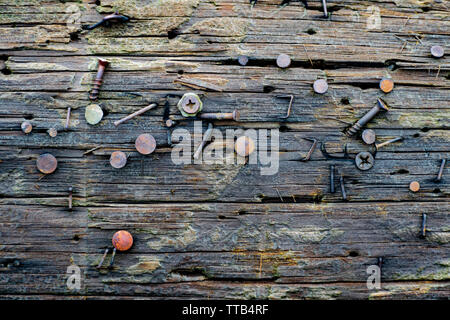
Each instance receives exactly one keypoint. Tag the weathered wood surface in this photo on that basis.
(224, 231)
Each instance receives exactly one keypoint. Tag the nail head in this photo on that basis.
(320, 86)
(46, 163)
(52, 132)
(414, 186)
(283, 61)
(26, 127)
(93, 114)
(244, 146)
(122, 240)
(386, 85)
(368, 136)
(437, 51)
(118, 159)
(243, 60)
(145, 144)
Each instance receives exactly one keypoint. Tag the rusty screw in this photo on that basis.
(235, 115)
(437, 51)
(118, 159)
(283, 61)
(70, 197)
(386, 85)
(368, 136)
(46, 163)
(190, 104)
(26, 127)
(145, 144)
(102, 64)
(320, 86)
(414, 186)
(381, 105)
(364, 161)
(141, 111)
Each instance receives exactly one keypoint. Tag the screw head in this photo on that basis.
(190, 104)
(414, 186)
(244, 146)
(368, 136)
(122, 240)
(320, 86)
(364, 161)
(118, 159)
(46, 163)
(93, 114)
(437, 51)
(386, 85)
(52, 132)
(145, 144)
(243, 60)
(283, 61)
(26, 127)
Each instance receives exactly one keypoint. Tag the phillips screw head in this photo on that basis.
(364, 161)
(190, 104)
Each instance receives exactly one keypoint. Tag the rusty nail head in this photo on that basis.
(145, 144)
(122, 240)
(26, 127)
(243, 60)
(437, 51)
(386, 85)
(46, 163)
(169, 123)
(190, 104)
(368, 136)
(320, 86)
(414, 186)
(283, 61)
(244, 146)
(52, 132)
(118, 159)
(364, 160)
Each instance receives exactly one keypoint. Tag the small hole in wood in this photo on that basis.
(353, 253)
(180, 72)
(268, 89)
(76, 238)
(283, 128)
(437, 190)
(416, 135)
(400, 171)
(74, 36)
(425, 129)
(221, 217)
(28, 117)
(98, 3)
(345, 101)
(172, 34)
(311, 31)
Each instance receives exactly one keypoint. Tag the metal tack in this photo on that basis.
(320, 86)
(141, 111)
(46, 163)
(26, 127)
(118, 159)
(145, 144)
(283, 61)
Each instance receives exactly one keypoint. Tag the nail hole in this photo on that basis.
(317, 198)
(345, 101)
(180, 72)
(222, 217)
(311, 31)
(76, 238)
(283, 128)
(98, 3)
(391, 65)
(105, 112)
(260, 196)
(242, 212)
(172, 34)
(447, 76)
(426, 9)
(353, 253)
(425, 129)
(437, 190)
(6, 71)
(416, 135)
(400, 171)
(74, 36)
(28, 117)
(268, 89)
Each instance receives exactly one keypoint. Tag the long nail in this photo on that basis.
(291, 97)
(235, 115)
(141, 111)
(423, 232)
(66, 127)
(70, 197)
(103, 259)
(344, 194)
(311, 150)
(379, 145)
(332, 190)
(441, 170)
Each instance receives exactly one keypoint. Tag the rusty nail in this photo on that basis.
(368, 136)
(386, 85)
(441, 170)
(311, 150)
(118, 159)
(103, 258)
(70, 197)
(66, 127)
(381, 105)
(206, 138)
(379, 145)
(122, 240)
(414, 186)
(102, 64)
(116, 17)
(423, 232)
(26, 127)
(141, 111)
(235, 115)
(332, 190)
(190, 104)
(341, 181)
(283, 61)
(244, 146)
(52, 132)
(91, 150)
(291, 101)
(320, 86)
(243, 60)
(145, 144)
(437, 51)
(46, 163)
